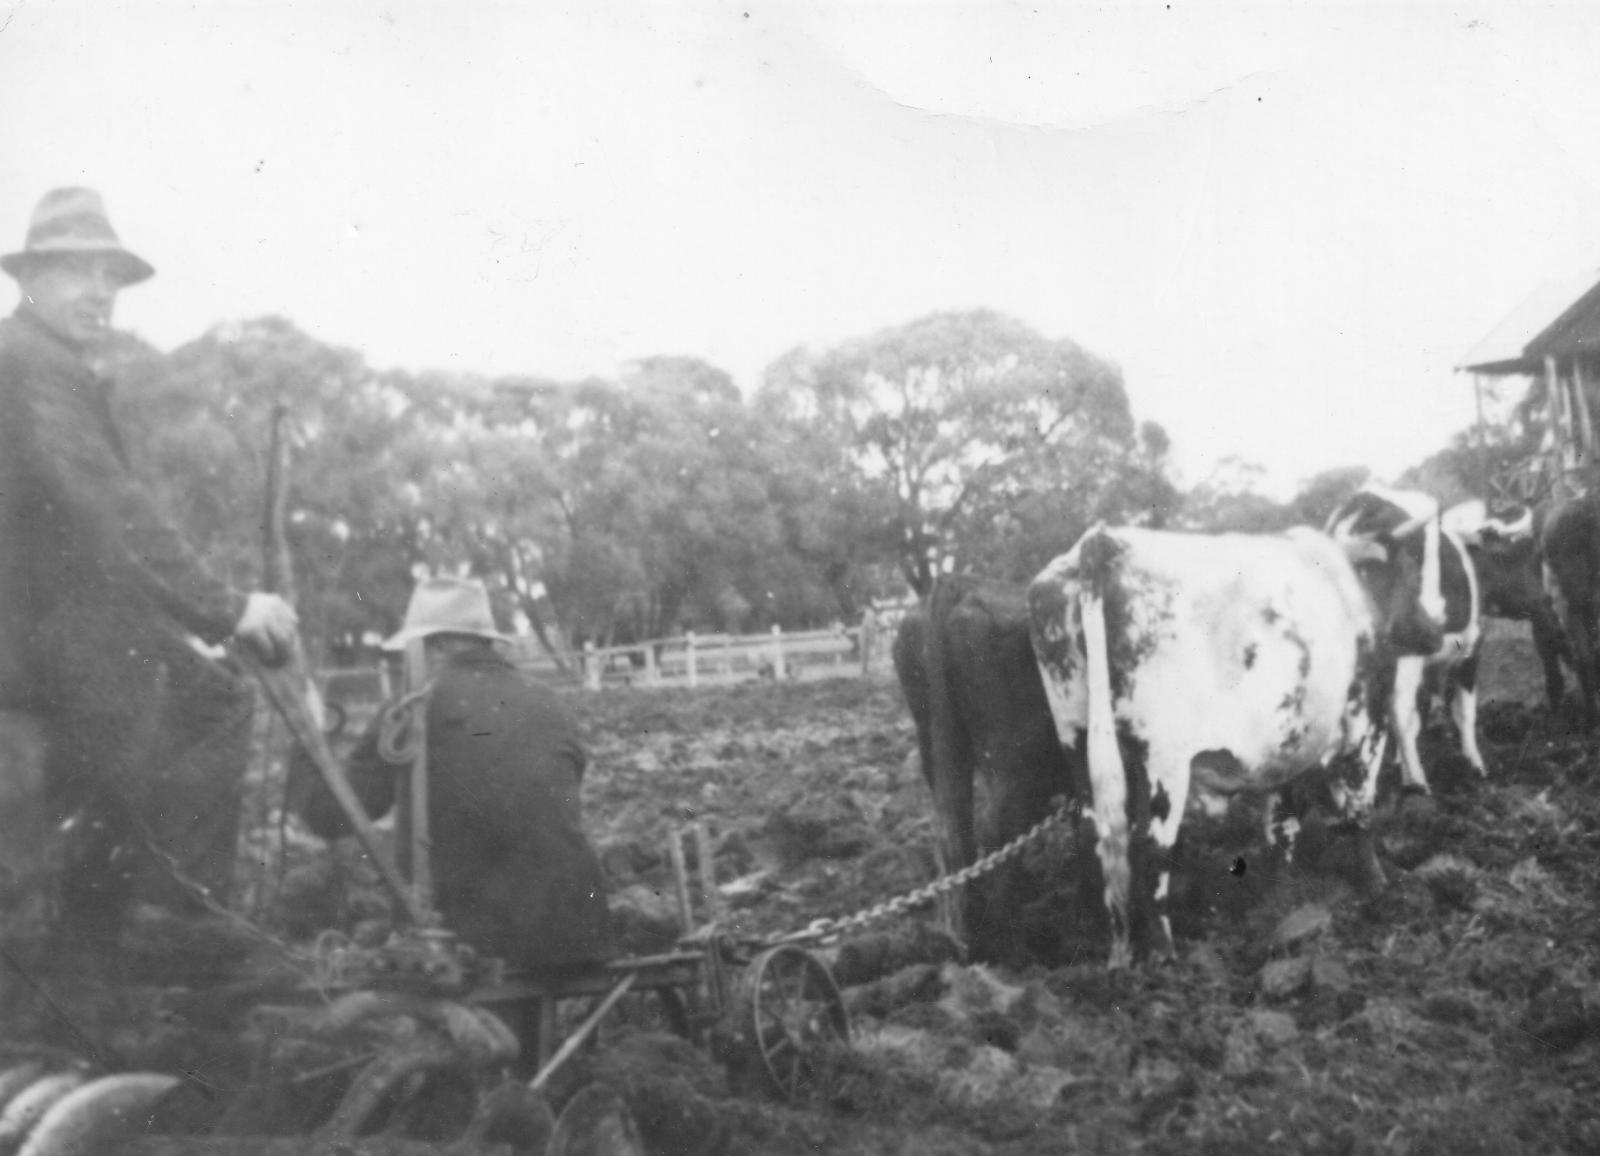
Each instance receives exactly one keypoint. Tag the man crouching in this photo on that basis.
(514, 875)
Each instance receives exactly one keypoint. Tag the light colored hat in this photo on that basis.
(446, 606)
(74, 221)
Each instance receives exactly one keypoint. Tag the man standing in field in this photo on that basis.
(102, 601)
(515, 876)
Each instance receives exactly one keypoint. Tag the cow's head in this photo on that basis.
(1391, 538)
(1504, 543)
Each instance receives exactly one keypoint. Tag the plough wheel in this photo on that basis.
(793, 1005)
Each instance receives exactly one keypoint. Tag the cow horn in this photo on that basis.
(1364, 550)
(96, 1115)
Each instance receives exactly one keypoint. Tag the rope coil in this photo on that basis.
(398, 734)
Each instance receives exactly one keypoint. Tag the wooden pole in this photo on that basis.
(1483, 436)
(420, 841)
(591, 667)
(707, 872)
(680, 874)
(778, 669)
(1580, 398)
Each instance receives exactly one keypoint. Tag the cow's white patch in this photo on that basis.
(1244, 644)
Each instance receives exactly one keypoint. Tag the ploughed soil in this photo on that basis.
(1457, 1012)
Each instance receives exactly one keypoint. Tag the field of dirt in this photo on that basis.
(1458, 1012)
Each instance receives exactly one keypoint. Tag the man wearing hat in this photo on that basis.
(101, 599)
(514, 875)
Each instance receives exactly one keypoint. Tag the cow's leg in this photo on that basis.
(1550, 647)
(1462, 688)
(1110, 812)
(1170, 775)
(1356, 796)
(1406, 714)
(1577, 617)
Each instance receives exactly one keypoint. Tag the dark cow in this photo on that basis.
(1241, 661)
(1505, 552)
(984, 733)
(1570, 546)
(1378, 510)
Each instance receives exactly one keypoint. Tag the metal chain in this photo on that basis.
(829, 927)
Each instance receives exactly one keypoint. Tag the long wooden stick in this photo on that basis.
(418, 827)
(585, 1029)
(286, 692)
(289, 687)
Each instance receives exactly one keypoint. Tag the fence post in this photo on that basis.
(778, 671)
(727, 656)
(689, 659)
(868, 634)
(591, 667)
(652, 676)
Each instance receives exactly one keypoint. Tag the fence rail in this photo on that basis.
(706, 659)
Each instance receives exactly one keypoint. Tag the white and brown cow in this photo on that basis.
(1236, 661)
(1376, 510)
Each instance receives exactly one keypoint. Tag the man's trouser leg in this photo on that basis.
(150, 738)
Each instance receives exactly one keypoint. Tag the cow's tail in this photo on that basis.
(1108, 778)
(950, 775)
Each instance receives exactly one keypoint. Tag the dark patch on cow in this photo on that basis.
(1455, 584)
(1270, 616)
(1146, 859)
(1160, 804)
(1374, 677)
(1250, 652)
(1366, 656)
(1218, 771)
(1295, 701)
(1100, 566)
(1047, 601)
(1304, 665)
(1099, 561)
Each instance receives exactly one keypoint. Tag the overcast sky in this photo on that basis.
(1286, 223)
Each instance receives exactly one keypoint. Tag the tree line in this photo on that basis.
(619, 509)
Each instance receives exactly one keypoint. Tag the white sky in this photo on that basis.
(1286, 223)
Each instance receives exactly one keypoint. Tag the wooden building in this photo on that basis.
(1553, 340)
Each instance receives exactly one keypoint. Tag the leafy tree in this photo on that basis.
(200, 422)
(1230, 501)
(938, 424)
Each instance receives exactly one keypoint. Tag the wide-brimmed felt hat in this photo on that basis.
(446, 606)
(73, 221)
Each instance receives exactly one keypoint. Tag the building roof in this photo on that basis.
(1559, 318)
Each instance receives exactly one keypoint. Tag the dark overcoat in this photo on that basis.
(100, 598)
(77, 525)
(514, 875)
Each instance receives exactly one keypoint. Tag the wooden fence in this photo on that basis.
(714, 659)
